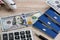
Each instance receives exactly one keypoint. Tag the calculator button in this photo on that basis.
(22, 33)
(5, 37)
(17, 37)
(27, 32)
(16, 33)
(22, 36)
(11, 36)
(29, 39)
(28, 36)
(23, 39)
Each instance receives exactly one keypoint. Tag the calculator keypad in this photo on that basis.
(22, 35)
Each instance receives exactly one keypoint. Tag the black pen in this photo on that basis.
(41, 37)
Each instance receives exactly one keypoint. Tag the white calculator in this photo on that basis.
(17, 35)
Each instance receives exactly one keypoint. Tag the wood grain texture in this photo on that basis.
(25, 6)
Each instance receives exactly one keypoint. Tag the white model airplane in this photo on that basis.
(9, 3)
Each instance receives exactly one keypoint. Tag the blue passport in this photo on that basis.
(46, 30)
(44, 19)
(53, 15)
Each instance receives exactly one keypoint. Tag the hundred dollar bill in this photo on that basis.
(55, 4)
(12, 22)
(16, 21)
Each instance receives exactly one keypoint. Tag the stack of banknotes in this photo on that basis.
(17, 21)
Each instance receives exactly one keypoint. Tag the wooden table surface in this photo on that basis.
(26, 6)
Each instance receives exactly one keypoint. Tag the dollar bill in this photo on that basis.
(12, 22)
(18, 21)
(55, 4)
